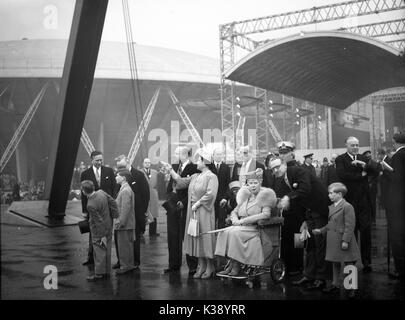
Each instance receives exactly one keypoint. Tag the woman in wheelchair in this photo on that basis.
(241, 242)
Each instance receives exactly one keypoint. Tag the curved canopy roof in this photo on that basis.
(330, 68)
(45, 58)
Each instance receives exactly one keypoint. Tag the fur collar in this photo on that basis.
(265, 198)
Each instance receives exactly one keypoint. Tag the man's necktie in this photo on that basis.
(217, 167)
(98, 176)
(179, 171)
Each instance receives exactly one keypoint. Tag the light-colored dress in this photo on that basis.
(202, 188)
(242, 243)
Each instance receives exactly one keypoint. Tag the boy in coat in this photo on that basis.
(124, 225)
(341, 244)
(102, 208)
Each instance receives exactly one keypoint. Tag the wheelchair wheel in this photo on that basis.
(277, 271)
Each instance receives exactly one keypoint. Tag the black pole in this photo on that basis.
(76, 85)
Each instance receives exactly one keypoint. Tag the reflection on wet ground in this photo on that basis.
(26, 250)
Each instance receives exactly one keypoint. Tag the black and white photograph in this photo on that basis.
(202, 155)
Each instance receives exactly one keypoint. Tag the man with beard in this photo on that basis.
(303, 198)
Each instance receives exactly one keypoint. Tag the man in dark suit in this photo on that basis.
(293, 217)
(222, 171)
(305, 199)
(103, 178)
(248, 164)
(396, 215)
(308, 163)
(176, 214)
(140, 187)
(353, 171)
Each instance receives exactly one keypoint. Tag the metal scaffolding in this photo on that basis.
(238, 35)
(186, 119)
(22, 128)
(136, 143)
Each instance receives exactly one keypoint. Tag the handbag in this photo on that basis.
(192, 229)
(84, 226)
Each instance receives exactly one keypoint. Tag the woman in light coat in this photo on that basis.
(202, 191)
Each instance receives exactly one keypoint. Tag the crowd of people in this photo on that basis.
(213, 211)
(12, 190)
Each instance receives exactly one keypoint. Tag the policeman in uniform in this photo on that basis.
(294, 215)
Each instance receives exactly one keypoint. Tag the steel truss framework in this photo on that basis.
(238, 35)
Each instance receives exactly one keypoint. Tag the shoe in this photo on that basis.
(317, 285)
(88, 263)
(367, 269)
(116, 266)
(331, 289)
(96, 277)
(171, 270)
(124, 271)
(302, 281)
(208, 275)
(197, 274)
(227, 270)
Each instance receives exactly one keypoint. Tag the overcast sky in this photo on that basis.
(187, 25)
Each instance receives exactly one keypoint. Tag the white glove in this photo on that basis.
(222, 203)
(284, 203)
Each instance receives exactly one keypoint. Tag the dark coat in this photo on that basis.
(182, 195)
(253, 166)
(107, 182)
(307, 190)
(310, 168)
(223, 176)
(329, 175)
(358, 193)
(268, 179)
(140, 187)
(385, 181)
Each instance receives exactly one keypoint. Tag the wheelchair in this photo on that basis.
(270, 235)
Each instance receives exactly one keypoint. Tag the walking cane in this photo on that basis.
(280, 235)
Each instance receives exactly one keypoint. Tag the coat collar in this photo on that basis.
(334, 210)
(124, 186)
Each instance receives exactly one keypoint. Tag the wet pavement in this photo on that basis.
(27, 248)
